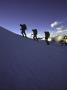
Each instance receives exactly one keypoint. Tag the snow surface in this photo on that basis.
(26, 64)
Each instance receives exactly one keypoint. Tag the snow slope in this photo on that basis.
(29, 65)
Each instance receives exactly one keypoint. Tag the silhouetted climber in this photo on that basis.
(23, 29)
(47, 35)
(35, 34)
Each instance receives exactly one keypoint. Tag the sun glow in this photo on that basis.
(58, 38)
(66, 40)
(49, 39)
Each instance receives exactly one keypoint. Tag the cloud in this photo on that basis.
(54, 24)
(60, 29)
(57, 25)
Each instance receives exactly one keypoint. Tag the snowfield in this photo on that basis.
(26, 64)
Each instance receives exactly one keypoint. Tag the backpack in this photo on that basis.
(35, 31)
(47, 34)
(23, 26)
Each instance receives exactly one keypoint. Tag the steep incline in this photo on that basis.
(29, 65)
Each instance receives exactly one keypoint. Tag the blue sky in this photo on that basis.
(38, 14)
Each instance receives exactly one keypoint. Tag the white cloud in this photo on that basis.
(60, 29)
(55, 24)
(58, 26)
